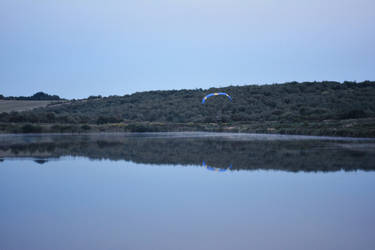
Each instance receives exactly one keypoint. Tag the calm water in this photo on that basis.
(186, 191)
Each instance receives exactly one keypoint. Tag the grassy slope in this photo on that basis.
(21, 105)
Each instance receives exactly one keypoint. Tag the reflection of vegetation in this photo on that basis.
(291, 155)
(216, 169)
(40, 161)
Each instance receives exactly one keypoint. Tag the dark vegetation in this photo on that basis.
(289, 155)
(319, 108)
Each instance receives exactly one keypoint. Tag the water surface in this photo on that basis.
(186, 191)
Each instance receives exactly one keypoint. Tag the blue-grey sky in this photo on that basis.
(77, 48)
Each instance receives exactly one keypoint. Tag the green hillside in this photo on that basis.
(285, 105)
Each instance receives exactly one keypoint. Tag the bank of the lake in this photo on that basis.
(349, 127)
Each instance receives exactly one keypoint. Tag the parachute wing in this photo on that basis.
(214, 94)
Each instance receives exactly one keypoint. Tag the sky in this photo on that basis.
(77, 48)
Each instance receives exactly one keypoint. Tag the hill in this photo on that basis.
(268, 108)
(39, 96)
(23, 103)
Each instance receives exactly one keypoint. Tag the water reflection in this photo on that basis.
(40, 161)
(218, 153)
(215, 169)
(78, 200)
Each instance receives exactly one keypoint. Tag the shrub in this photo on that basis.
(85, 127)
(29, 128)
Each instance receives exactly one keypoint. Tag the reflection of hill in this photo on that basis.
(293, 155)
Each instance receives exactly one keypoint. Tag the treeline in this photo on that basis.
(39, 96)
(284, 103)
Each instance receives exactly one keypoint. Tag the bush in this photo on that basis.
(29, 128)
(137, 128)
(85, 127)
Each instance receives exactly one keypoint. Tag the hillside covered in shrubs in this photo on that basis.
(304, 103)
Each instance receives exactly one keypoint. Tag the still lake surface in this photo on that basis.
(186, 191)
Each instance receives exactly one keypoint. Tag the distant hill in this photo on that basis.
(39, 96)
(289, 102)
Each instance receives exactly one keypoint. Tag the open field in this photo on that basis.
(21, 105)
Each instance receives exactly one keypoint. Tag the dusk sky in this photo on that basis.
(79, 48)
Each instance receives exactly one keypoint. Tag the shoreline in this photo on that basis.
(363, 128)
(200, 134)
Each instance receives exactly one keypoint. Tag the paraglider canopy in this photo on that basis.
(214, 94)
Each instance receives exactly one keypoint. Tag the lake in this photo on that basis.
(186, 191)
